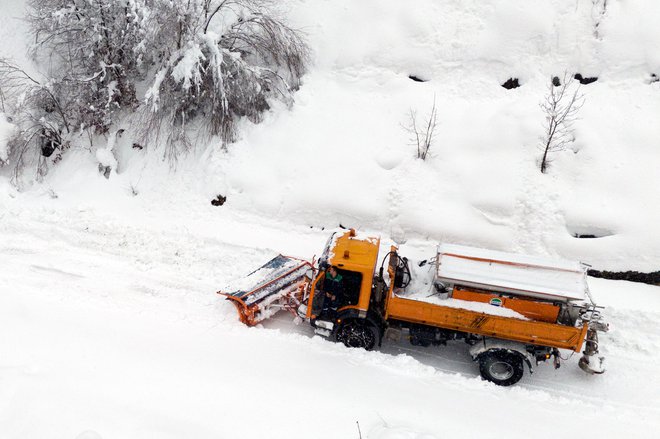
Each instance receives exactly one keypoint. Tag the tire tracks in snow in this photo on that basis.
(138, 269)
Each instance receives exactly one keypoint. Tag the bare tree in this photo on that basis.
(560, 106)
(422, 136)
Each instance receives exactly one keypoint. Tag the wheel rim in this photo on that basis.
(356, 336)
(501, 370)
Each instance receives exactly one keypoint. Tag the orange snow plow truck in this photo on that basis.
(510, 309)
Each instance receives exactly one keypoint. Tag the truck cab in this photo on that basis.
(356, 322)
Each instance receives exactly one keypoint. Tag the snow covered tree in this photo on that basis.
(38, 117)
(94, 51)
(560, 106)
(203, 63)
(90, 52)
(231, 59)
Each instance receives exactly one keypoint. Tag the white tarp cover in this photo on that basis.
(541, 277)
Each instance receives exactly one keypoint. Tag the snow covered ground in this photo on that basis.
(111, 328)
(110, 325)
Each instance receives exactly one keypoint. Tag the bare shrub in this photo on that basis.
(422, 136)
(560, 106)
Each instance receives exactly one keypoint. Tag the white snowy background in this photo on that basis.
(109, 324)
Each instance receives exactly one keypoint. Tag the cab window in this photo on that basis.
(352, 282)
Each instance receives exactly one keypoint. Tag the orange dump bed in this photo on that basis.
(481, 323)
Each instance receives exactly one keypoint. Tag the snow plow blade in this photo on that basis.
(278, 284)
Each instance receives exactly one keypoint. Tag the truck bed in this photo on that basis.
(482, 323)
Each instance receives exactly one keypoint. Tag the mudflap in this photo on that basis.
(278, 284)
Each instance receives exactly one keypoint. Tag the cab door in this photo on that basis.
(316, 296)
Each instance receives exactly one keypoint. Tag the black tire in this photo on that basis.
(501, 367)
(357, 334)
(419, 342)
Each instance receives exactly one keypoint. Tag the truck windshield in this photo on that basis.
(323, 260)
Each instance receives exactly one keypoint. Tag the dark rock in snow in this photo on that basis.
(511, 83)
(219, 200)
(588, 232)
(592, 235)
(417, 78)
(584, 80)
(49, 141)
(47, 149)
(652, 278)
(105, 170)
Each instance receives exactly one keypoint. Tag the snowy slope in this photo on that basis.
(340, 154)
(341, 149)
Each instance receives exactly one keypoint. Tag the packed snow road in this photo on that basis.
(112, 329)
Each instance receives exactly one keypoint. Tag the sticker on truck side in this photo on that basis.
(496, 301)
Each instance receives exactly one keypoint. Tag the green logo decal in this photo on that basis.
(496, 301)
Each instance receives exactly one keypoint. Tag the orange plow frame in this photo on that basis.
(287, 297)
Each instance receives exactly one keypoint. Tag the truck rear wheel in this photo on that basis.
(501, 367)
(357, 334)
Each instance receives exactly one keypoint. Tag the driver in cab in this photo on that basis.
(332, 286)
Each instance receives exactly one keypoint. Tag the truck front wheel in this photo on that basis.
(501, 367)
(357, 334)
